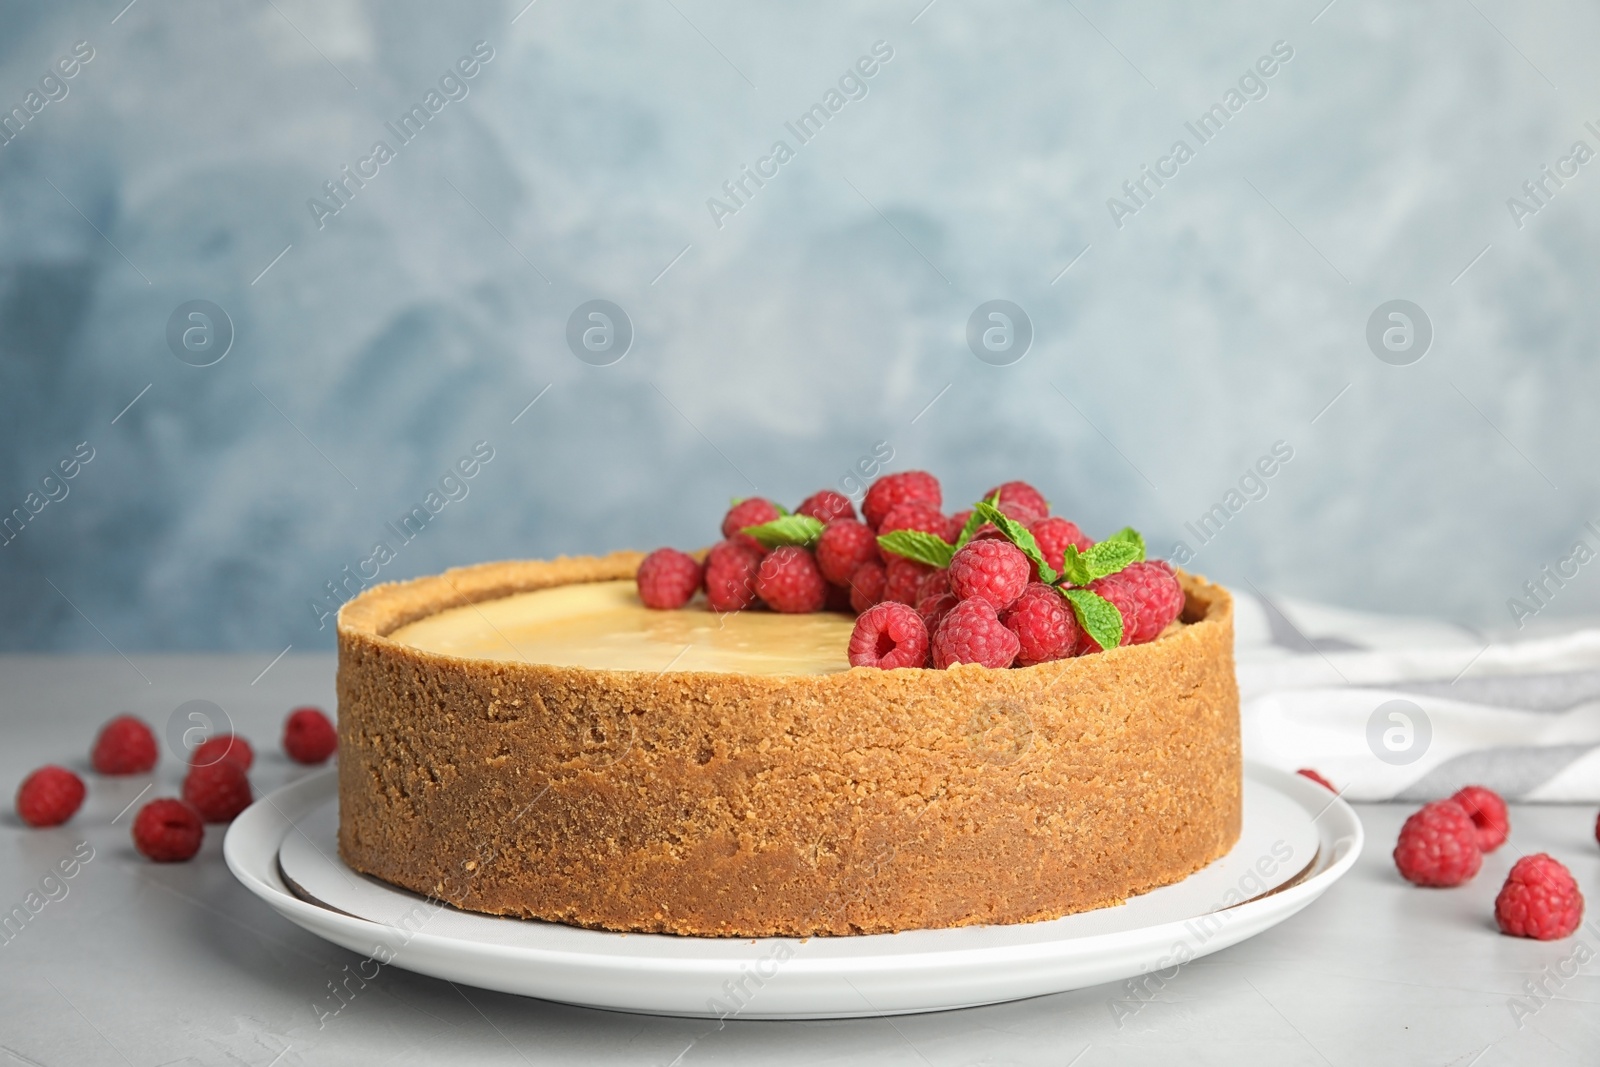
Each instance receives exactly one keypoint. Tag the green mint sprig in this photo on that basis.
(923, 547)
(787, 530)
(974, 521)
(1132, 536)
(1099, 617)
(1018, 535)
(1107, 557)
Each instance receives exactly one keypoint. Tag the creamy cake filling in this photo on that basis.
(603, 625)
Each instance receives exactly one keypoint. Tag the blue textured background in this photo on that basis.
(821, 318)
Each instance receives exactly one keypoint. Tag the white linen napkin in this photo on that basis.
(1394, 708)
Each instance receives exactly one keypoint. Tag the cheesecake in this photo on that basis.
(528, 739)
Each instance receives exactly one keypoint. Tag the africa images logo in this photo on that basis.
(453, 85)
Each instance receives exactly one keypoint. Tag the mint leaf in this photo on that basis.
(1129, 534)
(784, 511)
(1073, 567)
(1110, 556)
(1099, 617)
(788, 530)
(922, 547)
(974, 521)
(1018, 535)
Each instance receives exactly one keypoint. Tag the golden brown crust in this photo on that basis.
(700, 803)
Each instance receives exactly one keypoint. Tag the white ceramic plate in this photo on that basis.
(1298, 839)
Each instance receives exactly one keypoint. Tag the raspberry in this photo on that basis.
(308, 736)
(1488, 814)
(894, 489)
(223, 747)
(889, 635)
(845, 544)
(731, 576)
(867, 585)
(904, 575)
(995, 571)
(838, 599)
(973, 633)
(1438, 846)
(751, 511)
(668, 579)
(958, 522)
(1020, 501)
(1539, 900)
(934, 608)
(125, 745)
(1158, 594)
(934, 583)
(1053, 535)
(167, 830)
(788, 581)
(49, 796)
(915, 516)
(218, 791)
(825, 506)
(1044, 624)
(1315, 777)
(1123, 598)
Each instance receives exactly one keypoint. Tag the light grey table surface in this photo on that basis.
(149, 964)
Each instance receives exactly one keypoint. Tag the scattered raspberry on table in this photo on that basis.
(167, 831)
(1487, 812)
(889, 635)
(125, 745)
(1307, 772)
(223, 747)
(1438, 846)
(218, 791)
(309, 736)
(1539, 900)
(49, 796)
